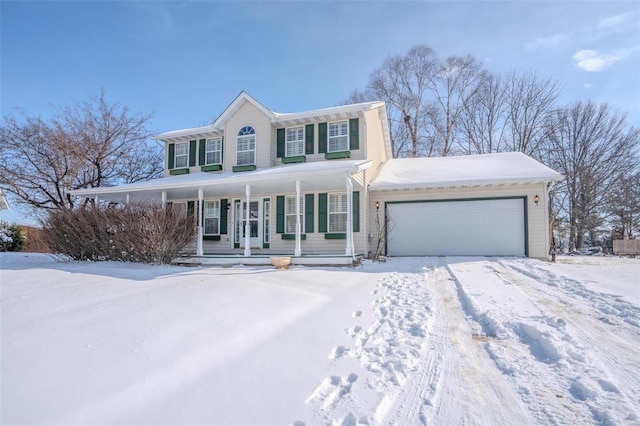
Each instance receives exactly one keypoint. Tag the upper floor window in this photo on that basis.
(213, 151)
(338, 212)
(295, 141)
(339, 136)
(290, 214)
(246, 146)
(181, 158)
(212, 217)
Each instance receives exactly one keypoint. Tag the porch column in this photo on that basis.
(349, 249)
(127, 199)
(247, 226)
(199, 249)
(298, 250)
(164, 198)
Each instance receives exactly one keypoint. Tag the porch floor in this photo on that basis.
(265, 259)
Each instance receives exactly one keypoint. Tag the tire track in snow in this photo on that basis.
(616, 359)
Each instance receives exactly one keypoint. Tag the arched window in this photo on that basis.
(246, 146)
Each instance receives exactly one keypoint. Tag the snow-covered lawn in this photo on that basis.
(410, 341)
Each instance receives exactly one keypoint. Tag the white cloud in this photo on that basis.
(592, 61)
(605, 27)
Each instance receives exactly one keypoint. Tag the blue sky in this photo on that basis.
(186, 61)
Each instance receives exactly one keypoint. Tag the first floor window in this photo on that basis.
(180, 207)
(339, 136)
(212, 217)
(290, 214)
(181, 155)
(295, 141)
(338, 212)
(214, 151)
(246, 146)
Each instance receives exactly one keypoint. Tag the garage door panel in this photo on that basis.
(463, 228)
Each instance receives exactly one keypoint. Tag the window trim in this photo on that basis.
(346, 135)
(286, 215)
(185, 155)
(301, 142)
(207, 151)
(205, 217)
(246, 133)
(336, 213)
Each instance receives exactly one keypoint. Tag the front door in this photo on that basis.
(255, 222)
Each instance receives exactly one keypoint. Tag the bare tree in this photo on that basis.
(592, 146)
(483, 119)
(623, 205)
(402, 82)
(530, 102)
(92, 144)
(454, 86)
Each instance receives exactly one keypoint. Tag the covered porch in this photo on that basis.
(242, 206)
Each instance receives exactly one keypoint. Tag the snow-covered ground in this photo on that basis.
(410, 341)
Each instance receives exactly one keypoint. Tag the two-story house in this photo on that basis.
(321, 185)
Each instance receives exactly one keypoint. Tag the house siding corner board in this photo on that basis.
(373, 132)
(536, 215)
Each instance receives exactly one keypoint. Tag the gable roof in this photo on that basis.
(466, 170)
(341, 112)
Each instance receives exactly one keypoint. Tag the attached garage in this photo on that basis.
(485, 227)
(471, 205)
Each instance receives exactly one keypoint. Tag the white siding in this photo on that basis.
(537, 223)
(248, 115)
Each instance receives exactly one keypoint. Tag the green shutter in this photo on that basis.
(356, 211)
(203, 152)
(354, 134)
(192, 153)
(280, 143)
(309, 135)
(308, 213)
(223, 215)
(322, 212)
(222, 150)
(280, 214)
(172, 155)
(322, 138)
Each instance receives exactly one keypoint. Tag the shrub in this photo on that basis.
(138, 232)
(11, 237)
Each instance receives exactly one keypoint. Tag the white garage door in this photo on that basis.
(494, 227)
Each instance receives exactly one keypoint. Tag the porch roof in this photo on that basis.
(314, 176)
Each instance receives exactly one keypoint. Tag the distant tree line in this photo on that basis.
(454, 106)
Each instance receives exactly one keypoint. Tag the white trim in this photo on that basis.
(205, 217)
(247, 224)
(206, 150)
(298, 141)
(185, 155)
(199, 249)
(248, 138)
(298, 250)
(346, 148)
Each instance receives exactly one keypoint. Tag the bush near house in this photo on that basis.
(11, 237)
(137, 232)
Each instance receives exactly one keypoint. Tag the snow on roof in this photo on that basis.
(482, 169)
(313, 173)
(279, 118)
